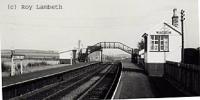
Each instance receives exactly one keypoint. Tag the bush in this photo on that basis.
(43, 63)
(18, 66)
(37, 64)
(5, 67)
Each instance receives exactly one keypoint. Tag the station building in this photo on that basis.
(65, 58)
(162, 43)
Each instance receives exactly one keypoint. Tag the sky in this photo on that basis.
(90, 21)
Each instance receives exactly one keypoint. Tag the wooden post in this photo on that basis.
(12, 64)
(71, 61)
(73, 56)
(182, 30)
(101, 55)
(21, 67)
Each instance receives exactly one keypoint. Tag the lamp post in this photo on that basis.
(182, 31)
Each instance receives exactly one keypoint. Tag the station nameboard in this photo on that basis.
(163, 32)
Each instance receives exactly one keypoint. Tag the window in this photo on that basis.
(164, 43)
(154, 42)
(159, 43)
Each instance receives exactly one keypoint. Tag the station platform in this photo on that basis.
(6, 81)
(133, 83)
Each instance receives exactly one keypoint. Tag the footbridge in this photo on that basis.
(106, 45)
(115, 45)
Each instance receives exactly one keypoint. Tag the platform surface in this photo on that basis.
(33, 75)
(133, 83)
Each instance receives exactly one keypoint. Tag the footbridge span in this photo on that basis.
(106, 45)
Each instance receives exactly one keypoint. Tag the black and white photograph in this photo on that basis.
(99, 49)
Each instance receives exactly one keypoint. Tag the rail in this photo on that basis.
(113, 87)
(104, 88)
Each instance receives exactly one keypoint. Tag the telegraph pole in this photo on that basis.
(182, 31)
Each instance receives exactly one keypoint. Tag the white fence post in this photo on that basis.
(21, 67)
(12, 67)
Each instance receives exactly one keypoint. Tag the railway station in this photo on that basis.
(98, 79)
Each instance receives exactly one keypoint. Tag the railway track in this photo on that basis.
(95, 82)
(103, 88)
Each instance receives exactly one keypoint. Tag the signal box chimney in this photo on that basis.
(175, 18)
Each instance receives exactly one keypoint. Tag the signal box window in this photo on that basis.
(159, 43)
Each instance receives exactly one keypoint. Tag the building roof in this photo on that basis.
(159, 27)
(174, 28)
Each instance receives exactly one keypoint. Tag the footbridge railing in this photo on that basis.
(115, 45)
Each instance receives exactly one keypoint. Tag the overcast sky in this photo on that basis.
(90, 21)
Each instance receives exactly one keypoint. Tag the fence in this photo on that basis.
(187, 76)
